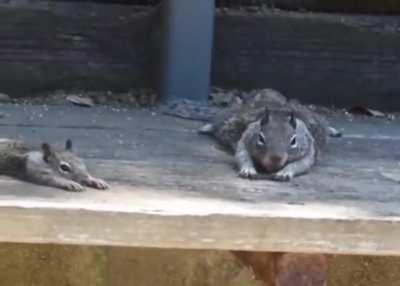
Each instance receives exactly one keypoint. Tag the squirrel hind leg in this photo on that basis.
(206, 129)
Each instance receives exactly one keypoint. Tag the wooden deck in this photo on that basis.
(173, 188)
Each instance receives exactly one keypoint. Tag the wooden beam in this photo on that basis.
(173, 188)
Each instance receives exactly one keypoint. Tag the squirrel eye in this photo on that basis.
(261, 139)
(293, 142)
(65, 167)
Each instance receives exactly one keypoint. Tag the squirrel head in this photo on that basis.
(65, 162)
(276, 141)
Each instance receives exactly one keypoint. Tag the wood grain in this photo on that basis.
(173, 188)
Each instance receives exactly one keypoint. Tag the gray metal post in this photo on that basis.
(186, 49)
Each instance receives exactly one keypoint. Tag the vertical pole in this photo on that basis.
(186, 49)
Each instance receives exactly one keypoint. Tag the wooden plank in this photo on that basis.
(172, 188)
(83, 45)
(71, 45)
(36, 222)
(347, 6)
(301, 54)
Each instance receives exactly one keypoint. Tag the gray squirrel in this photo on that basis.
(267, 132)
(49, 166)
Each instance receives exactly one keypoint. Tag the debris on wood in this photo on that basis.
(100, 99)
(333, 132)
(223, 98)
(391, 117)
(189, 109)
(81, 101)
(4, 97)
(362, 110)
(393, 175)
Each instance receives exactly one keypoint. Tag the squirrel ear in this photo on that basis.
(265, 118)
(68, 145)
(47, 151)
(292, 120)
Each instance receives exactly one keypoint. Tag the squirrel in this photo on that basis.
(269, 133)
(48, 166)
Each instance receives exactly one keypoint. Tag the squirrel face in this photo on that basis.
(65, 162)
(275, 143)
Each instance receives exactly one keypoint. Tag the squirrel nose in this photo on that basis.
(273, 163)
(275, 159)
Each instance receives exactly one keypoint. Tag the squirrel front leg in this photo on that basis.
(296, 168)
(96, 183)
(243, 160)
(53, 180)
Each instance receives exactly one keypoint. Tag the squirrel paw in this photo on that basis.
(282, 176)
(247, 172)
(96, 183)
(73, 187)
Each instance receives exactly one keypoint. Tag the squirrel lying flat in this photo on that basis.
(269, 133)
(49, 166)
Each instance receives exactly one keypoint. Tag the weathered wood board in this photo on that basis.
(46, 45)
(316, 57)
(172, 188)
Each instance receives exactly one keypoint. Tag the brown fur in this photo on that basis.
(54, 167)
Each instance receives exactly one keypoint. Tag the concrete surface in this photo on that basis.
(176, 189)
